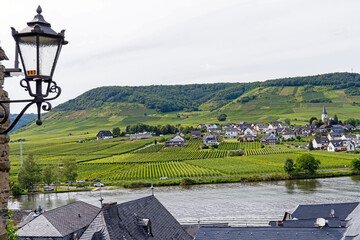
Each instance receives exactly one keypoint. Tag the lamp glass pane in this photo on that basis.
(47, 54)
(27, 47)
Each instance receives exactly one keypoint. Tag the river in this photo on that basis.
(239, 204)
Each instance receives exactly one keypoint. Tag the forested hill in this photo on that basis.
(170, 98)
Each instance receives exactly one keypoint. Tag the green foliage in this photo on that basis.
(15, 189)
(289, 166)
(307, 163)
(352, 121)
(222, 117)
(30, 173)
(48, 175)
(288, 121)
(186, 181)
(161, 98)
(11, 228)
(69, 169)
(355, 165)
(116, 132)
(311, 146)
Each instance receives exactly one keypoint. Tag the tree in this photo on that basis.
(355, 165)
(307, 163)
(336, 120)
(311, 146)
(30, 173)
(222, 117)
(312, 119)
(48, 175)
(287, 120)
(116, 132)
(69, 169)
(289, 166)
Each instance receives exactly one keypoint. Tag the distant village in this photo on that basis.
(338, 137)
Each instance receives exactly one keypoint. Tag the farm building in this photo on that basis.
(102, 135)
(138, 136)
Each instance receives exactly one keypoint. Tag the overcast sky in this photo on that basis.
(151, 42)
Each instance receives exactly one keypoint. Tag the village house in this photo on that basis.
(270, 139)
(138, 136)
(259, 127)
(176, 141)
(286, 134)
(348, 137)
(340, 146)
(334, 136)
(212, 125)
(195, 134)
(320, 143)
(274, 125)
(216, 131)
(144, 218)
(231, 133)
(210, 140)
(337, 221)
(63, 223)
(320, 132)
(102, 135)
(349, 127)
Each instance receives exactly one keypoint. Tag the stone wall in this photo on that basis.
(4, 164)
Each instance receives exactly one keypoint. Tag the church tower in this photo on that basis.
(324, 115)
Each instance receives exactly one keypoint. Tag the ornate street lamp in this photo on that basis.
(39, 48)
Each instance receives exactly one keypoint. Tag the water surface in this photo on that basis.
(236, 203)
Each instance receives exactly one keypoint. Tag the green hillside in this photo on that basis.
(68, 130)
(295, 98)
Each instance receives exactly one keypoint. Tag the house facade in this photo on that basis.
(320, 143)
(210, 140)
(176, 141)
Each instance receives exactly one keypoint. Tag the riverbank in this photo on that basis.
(204, 180)
(235, 179)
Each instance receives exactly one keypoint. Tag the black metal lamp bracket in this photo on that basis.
(40, 98)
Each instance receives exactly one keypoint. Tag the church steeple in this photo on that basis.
(324, 115)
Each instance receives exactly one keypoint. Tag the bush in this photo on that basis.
(236, 153)
(289, 166)
(355, 165)
(187, 181)
(307, 163)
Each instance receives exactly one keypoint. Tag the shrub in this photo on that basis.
(307, 163)
(355, 165)
(187, 181)
(289, 166)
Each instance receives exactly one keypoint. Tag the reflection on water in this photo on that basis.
(235, 203)
(307, 186)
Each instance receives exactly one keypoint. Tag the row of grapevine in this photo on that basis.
(161, 156)
(264, 151)
(239, 145)
(160, 169)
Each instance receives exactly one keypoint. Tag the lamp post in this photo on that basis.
(38, 46)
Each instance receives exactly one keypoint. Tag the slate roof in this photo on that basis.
(270, 136)
(269, 233)
(342, 210)
(104, 134)
(210, 138)
(60, 222)
(144, 218)
(321, 140)
(337, 143)
(177, 138)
